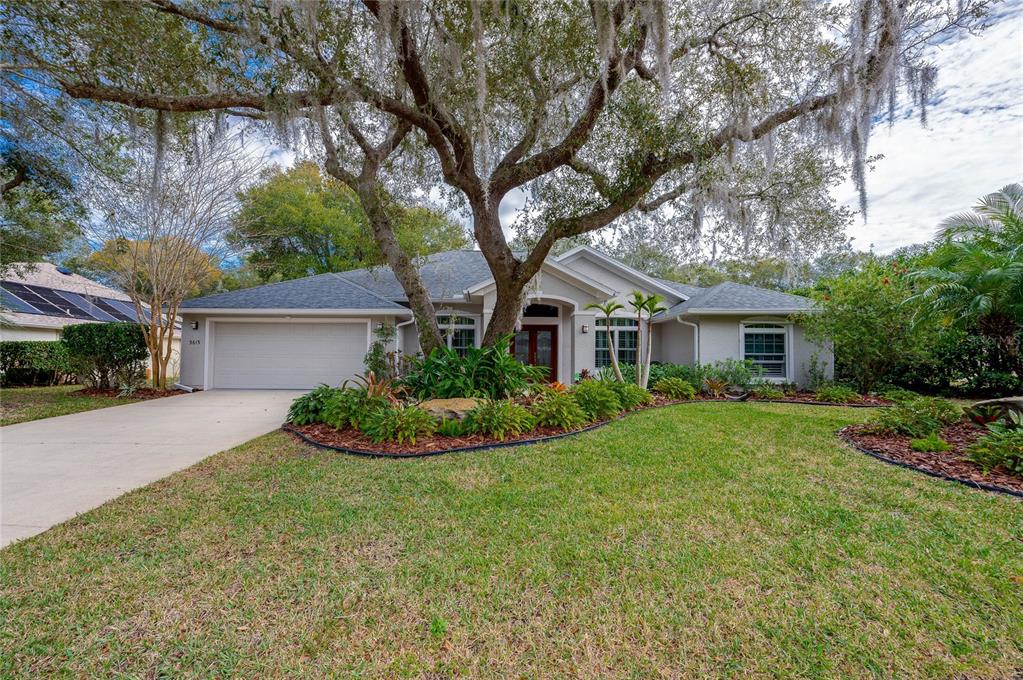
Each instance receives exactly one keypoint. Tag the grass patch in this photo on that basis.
(22, 404)
(703, 540)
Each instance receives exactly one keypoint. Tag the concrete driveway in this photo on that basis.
(56, 468)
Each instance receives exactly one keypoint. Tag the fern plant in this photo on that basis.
(675, 388)
(597, 400)
(630, 395)
(560, 410)
(309, 407)
(498, 418)
(399, 424)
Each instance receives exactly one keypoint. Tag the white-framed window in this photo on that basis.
(766, 345)
(626, 340)
(458, 331)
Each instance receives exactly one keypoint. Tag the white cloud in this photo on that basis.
(972, 145)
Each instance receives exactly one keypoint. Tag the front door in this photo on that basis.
(538, 346)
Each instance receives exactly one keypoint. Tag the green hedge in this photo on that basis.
(106, 354)
(33, 362)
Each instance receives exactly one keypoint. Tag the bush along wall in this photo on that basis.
(34, 362)
(106, 355)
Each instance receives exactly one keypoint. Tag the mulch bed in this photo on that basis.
(950, 464)
(350, 440)
(142, 394)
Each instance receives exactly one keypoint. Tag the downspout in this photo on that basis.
(696, 339)
(398, 339)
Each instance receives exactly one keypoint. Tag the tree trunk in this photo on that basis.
(613, 351)
(369, 190)
(649, 352)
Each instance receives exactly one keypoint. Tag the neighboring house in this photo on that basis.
(298, 333)
(38, 302)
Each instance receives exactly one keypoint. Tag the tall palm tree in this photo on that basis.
(650, 305)
(607, 309)
(974, 279)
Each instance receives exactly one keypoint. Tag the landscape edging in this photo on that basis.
(288, 427)
(931, 473)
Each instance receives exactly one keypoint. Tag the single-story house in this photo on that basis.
(38, 300)
(298, 333)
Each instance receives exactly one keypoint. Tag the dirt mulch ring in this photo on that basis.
(142, 394)
(951, 465)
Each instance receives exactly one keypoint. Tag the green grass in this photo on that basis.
(22, 404)
(705, 540)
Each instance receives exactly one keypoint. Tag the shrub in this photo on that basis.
(105, 355)
(898, 395)
(836, 394)
(733, 372)
(398, 424)
(597, 399)
(352, 407)
(558, 409)
(931, 442)
(674, 388)
(766, 390)
(996, 448)
(917, 418)
(630, 395)
(491, 372)
(33, 362)
(310, 406)
(451, 427)
(498, 418)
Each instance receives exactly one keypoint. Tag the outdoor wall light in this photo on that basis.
(195, 325)
(586, 328)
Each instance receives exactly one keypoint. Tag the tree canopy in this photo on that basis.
(297, 222)
(593, 110)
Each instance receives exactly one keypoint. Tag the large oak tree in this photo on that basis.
(592, 109)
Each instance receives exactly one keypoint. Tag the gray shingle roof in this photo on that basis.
(446, 275)
(684, 288)
(324, 291)
(740, 297)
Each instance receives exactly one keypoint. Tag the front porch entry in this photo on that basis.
(538, 346)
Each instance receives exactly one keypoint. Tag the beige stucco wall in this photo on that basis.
(620, 284)
(719, 339)
(673, 343)
(23, 333)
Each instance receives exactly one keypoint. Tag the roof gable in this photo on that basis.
(639, 278)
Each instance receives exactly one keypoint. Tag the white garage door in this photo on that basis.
(286, 355)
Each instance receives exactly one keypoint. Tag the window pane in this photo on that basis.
(462, 339)
(628, 341)
(766, 350)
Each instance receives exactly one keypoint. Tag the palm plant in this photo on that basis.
(974, 279)
(649, 305)
(607, 309)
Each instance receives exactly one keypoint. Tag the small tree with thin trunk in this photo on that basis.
(163, 227)
(607, 309)
(649, 305)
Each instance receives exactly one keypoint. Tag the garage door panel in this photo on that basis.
(286, 355)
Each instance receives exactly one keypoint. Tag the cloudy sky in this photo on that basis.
(971, 146)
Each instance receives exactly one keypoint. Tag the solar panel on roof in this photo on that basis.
(89, 306)
(107, 305)
(31, 295)
(12, 302)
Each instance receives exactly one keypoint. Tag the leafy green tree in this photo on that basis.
(863, 316)
(648, 305)
(298, 222)
(593, 111)
(40, 211)
(974, 278)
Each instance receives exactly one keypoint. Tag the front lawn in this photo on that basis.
(699, 540)
(21, 404)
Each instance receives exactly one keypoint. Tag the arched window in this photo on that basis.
(765, 345)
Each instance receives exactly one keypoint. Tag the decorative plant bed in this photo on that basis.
(355, 442)
(865, 401)
(142, 393)
(952, 464)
